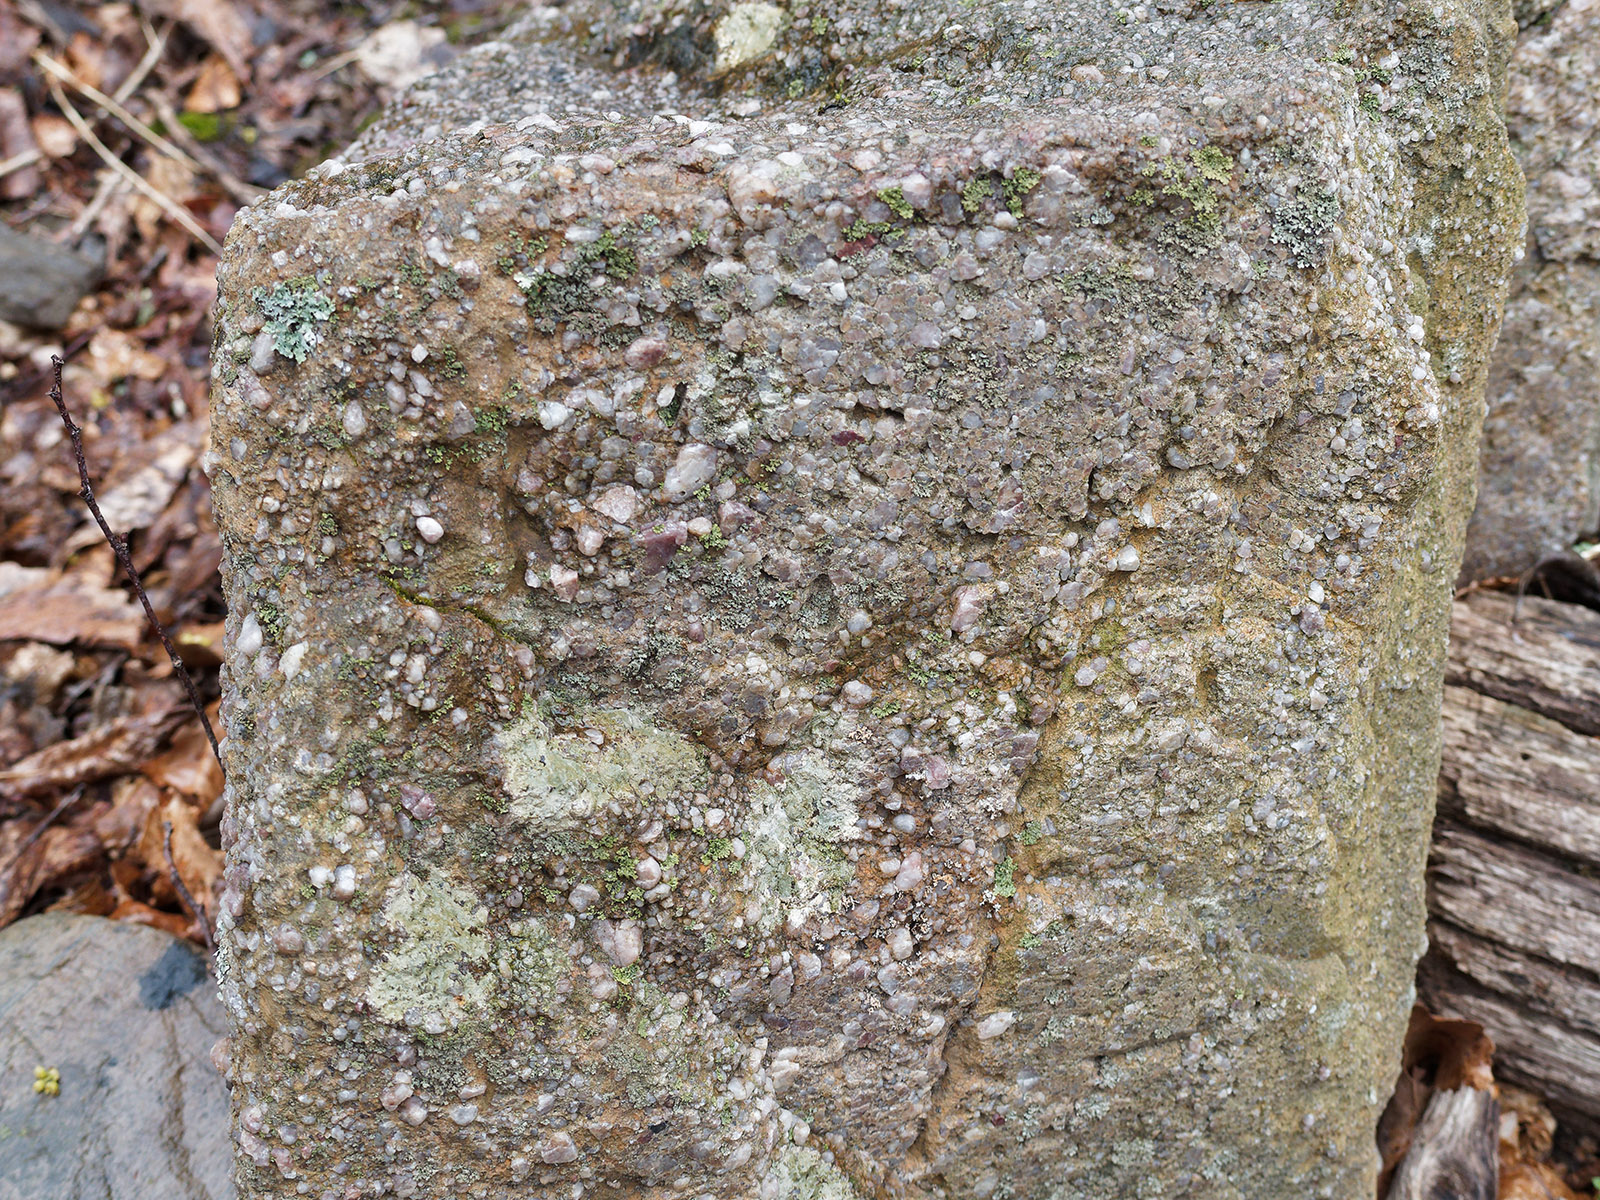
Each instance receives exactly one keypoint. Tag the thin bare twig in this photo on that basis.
(110, 184)
(201, 163)
(196, 913)
(115, 109)
(119, 547)
(336, 63)
(162, 201)
(244, 193)
(155, 46)
(17, 161)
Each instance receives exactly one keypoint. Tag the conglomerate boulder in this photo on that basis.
(847, 599)
(1539, 486)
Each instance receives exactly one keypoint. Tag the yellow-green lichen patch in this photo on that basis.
(529, 963)
(746, 33)
(651, 1053)
(802, 1174)
(437, 965)
(558, 780)
(794, 863)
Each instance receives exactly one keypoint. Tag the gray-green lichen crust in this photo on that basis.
(849, 600)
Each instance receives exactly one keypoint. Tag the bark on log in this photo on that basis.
(1514, 876)
(1453, 1154)
(1547, 661)
(1503, 891)
(1529, 777)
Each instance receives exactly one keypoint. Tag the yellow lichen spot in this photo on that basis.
(746, 33)
(47, 1081)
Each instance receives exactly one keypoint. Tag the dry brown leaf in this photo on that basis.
(90, 898)
(1527, 1133)
(1439, 1055)
(127, 874)
(116, 748)
(197, 864)
(15, 740)
(215, 88)
(85, 59)
(27, 868)
(17, 41)
(133, 799)
(16, 138)
(200, 645)
(1534, 1181)
(31, 677)
(41, 605)
(37, 669)
(114, 355)
(1459, 1053)
(217, 21)
(139, 913)
(174, 181)
(1526, 1123)
(136, 497)
(188, 767)
(55, 135)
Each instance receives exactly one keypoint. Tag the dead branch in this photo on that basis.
(119, 547)
(196, 913)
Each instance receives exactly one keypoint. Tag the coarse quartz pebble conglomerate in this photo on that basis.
(1539, 468)
(848, 600)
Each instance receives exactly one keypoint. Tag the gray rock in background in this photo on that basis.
(41, 281)
(127, 1015)
(849, 600)
(1539, 482)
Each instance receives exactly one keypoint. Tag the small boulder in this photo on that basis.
(115, 1023)
(41, 282)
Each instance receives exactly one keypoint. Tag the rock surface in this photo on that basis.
(848, 600)
(41, 281)
(1539, 484)
(126, 1017)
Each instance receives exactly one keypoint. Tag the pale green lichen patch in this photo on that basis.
(746, 33)
(800, 1173)
(558, 779)
(794, 862)
(1303, 224)
(652, 1052)
(294, 310)
(447, 966)
(438, 963)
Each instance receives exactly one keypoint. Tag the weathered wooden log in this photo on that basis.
(1514, 876)
(1504, 891)
(1453, 1153)
(1547, 661)
(1511, 770)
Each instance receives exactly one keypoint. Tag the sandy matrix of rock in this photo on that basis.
(847, 600)
(1539, 488)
